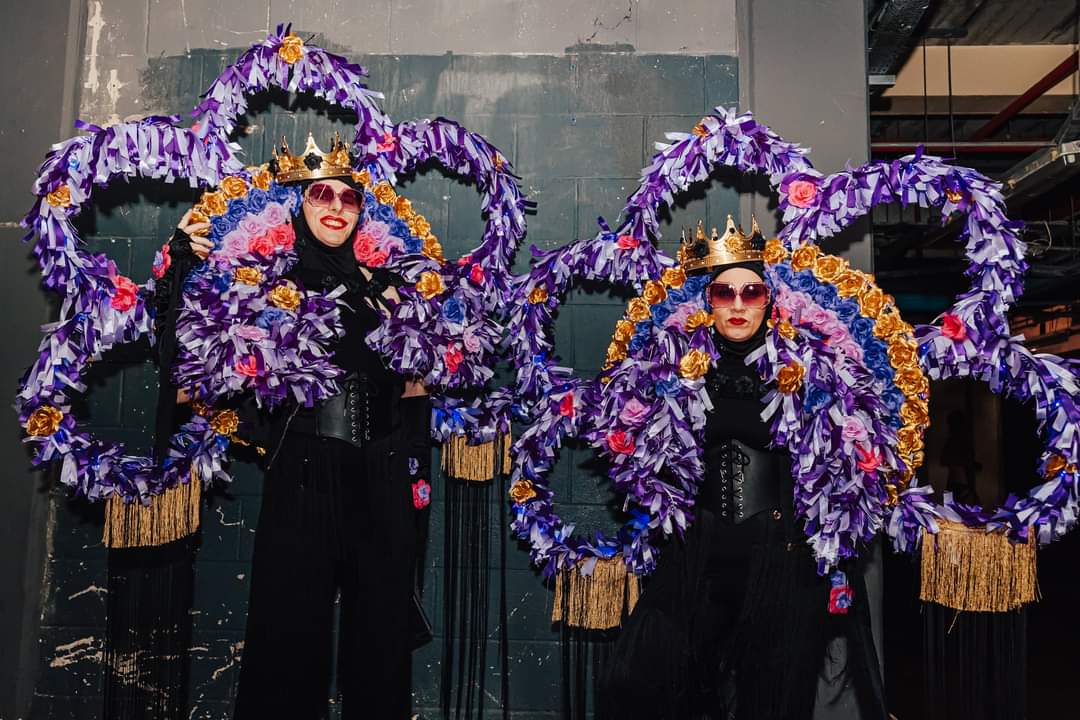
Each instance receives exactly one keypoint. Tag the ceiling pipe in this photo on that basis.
(1066, 68)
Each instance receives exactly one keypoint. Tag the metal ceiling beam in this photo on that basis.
(1066, 68)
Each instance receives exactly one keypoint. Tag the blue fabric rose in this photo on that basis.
(893, 399)
(638, 342)
(877, 359)
(413, 244)
(370, 201)
(668, 387)
(645, 326)
(223, 281)
(816, 399)
(453, 310)
(846, 311)
(804, 281)
(824, 295)
(400, 229)
(661, 313)
(222, 225)
(385, 213)
(862, 329)
(257, 199)
(238, 210)
(269, 318)
(783, 272)
(280, 193)
(678, 295)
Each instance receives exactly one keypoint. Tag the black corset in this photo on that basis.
(357, 415)
(743, 481)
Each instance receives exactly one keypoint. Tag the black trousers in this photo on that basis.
(336, 522)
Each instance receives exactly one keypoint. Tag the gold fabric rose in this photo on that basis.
(888, 323)
(432, 248)
(909, 440)
(954, 196)
(234, 187)
(654, 292)
(262, 178)
(803, 257)
(616, 352)
(624, 330)
(893, 496)
(538, 295)
(827, 267)
(430, 284)
(362, 178)
(673, 277)
(775, 252)
(786, 330)
(403, 207)
(384, 193)
(225, 422)
(697, 319)
(247, 275)
(44, 421)
(1054, 465)
(638, 310)
(871, 301)
(522, 492)
(902, 354)
(790, 377)
(694, 364)
(849, 283)
(700, 130)
(418, 226)
(60, 197)
(285, 296)
(215, 202)
(911, 381)
(292, 49)
(914, 412)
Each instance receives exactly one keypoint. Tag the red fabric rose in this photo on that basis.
(476, 274)
(123, 298)
(802, 193)
(566, 407)
(388, 143)
(953, 327)
(248, 367)
(464, 260)
(421, 494)
(282, 236)
(868, 461)
(261, 245)
(627, 242)
(620, 442)
(377, 258)
(453, 359)
(363, 246)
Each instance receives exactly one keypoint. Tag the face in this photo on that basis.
(332, 210)
(738, 315)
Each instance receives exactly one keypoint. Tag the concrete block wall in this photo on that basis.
(577, 115)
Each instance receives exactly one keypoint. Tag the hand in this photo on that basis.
(200, 245)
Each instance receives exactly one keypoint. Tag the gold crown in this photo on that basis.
(698, 252)
(312, 163)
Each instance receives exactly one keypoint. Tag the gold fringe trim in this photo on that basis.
(477, 463)
(596, 601)
(970, 569)
(170, 516)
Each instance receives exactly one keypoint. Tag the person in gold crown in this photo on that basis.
(734, 623)
(340, 519)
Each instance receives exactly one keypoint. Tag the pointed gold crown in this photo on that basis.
(312, 163)
(698, 252)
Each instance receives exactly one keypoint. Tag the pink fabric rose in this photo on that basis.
(470, 340)
(274, 214)
(953, 327)
(801, 193)
(851, 349)
(634, 412)
(249, 332)
(252, 225)
(235, 244)
(853, 429)
(389, 142)
(261, 245)
(817, 316)
(627, 242)
(123, 298)
(680, 316)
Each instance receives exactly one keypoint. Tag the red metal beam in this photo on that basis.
(946, 148)
(1067, 67)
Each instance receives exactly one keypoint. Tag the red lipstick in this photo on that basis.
(333, 222)
(737, 321)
